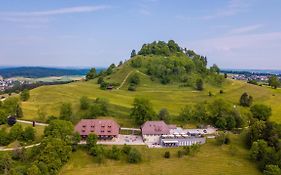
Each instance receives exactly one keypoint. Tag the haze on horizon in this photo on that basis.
(68, 33)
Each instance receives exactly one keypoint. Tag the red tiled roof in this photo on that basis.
(100, 127)
(155, 128)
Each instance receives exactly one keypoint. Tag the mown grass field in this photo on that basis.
(211, 160)
(172, 97)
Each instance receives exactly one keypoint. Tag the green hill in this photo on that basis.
(181, 68)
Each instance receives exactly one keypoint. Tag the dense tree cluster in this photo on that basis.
(10, 107)
(17, 132)
(160, 48)
(219, 113)
(168, 63)
(94, 108)
(142, 111)
(91, 74)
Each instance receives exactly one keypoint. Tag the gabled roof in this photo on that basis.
(155, 128)
(104, 127)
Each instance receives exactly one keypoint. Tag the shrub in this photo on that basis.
(134, 156)
(132, 87)
(126, 149)
(167, 154)
(114, 153)
(261, 111)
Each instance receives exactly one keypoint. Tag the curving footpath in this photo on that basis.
(12, 149)
(125, 79)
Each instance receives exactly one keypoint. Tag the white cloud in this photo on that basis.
(245, 29)
(260, 50)
(232, 8)
(61, 11)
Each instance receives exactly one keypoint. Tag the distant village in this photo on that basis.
(6, 84)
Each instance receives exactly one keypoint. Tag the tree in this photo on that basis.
(261, 111)
(134, 79)
(200, 112)
(256, 132)
(246, 100)
(272, 170)
(19, 113)
(199, 84)
(4, 138)
(215, 69)
(3, 117)
(28, 134)
(164, 115)
(66, 111)
(134, 156)
(84, 103)
(16, 132)
(142, 111)
(54, 153)
(91, 74)
(187, 113)
(100, 80)
(59, 129)
(91, 140)
(24, 95)
(5, 163)
(133, 53)
(274, 81)
(33, 170)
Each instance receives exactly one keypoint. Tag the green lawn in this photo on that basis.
(211, 160)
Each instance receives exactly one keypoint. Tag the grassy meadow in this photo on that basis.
(211, 160)
(172, 97)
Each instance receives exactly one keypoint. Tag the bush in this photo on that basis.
(132, 87)
(222, 138)
(167, 155)
(246, 100)
(84, 103)
(199, 84)
(24, 95)
(134, 156)
(114, 153)
(126, 149)
(134, 79)
(261, 111)
(180, 153)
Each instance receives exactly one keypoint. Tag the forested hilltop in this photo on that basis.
(166, 63)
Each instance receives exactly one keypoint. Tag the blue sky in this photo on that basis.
(85, 33)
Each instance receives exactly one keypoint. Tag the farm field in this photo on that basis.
(172, 97)
(211, 160)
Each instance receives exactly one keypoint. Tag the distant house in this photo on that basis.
(109, 87)
(156, 128)
(103, 128)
